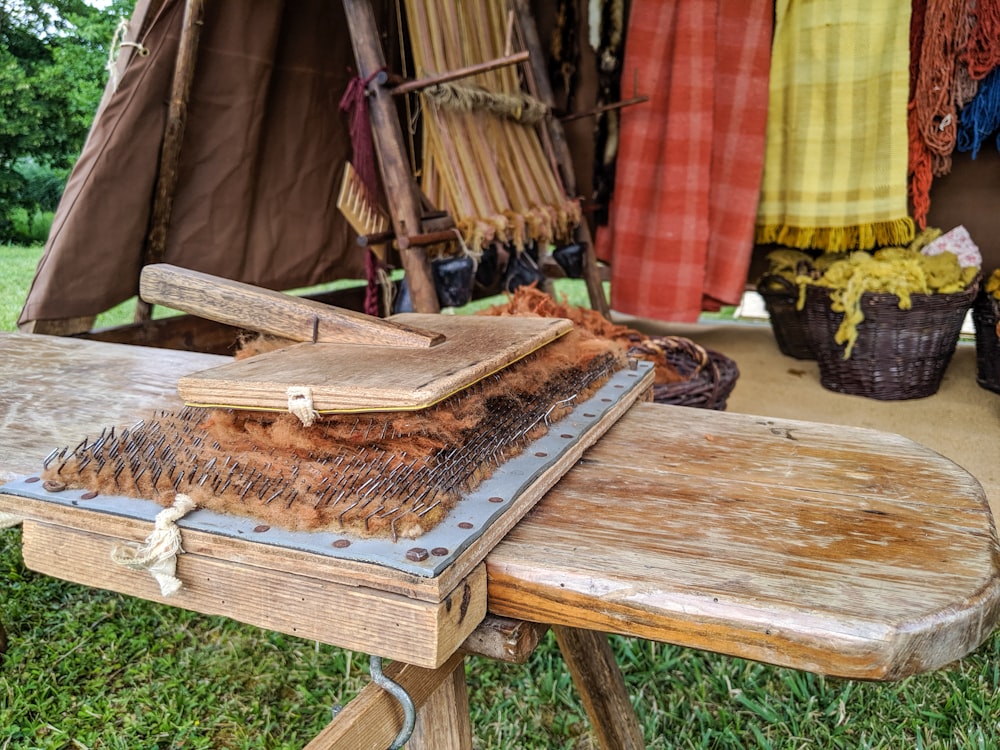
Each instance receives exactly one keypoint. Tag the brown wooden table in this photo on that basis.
(837, 550)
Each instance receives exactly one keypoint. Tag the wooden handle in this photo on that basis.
(266, 311)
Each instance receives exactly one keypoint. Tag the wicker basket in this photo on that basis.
(709, 376)
(899, 354)
(791, 330)
(985, 315)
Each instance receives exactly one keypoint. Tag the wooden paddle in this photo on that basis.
(351, 361)
(266, 311)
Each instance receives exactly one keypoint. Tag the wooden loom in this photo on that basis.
(542, 158)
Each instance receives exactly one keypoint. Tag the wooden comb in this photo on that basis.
(360, 209)
(348, 361)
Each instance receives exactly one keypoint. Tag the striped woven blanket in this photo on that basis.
(681, 221)
(835, 169)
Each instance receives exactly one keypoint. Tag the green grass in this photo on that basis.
(89, 669)
(92, 669)
(17, 268)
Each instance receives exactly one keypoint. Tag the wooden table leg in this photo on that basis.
(602, 688)
(372, 720)
(443, 723)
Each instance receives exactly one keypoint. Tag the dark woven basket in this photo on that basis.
(791, 330)
(709, 376)
(899, 354)
(985, 315)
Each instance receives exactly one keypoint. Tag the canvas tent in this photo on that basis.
(257, 179)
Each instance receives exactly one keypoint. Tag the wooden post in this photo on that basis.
(373, 719)
(443, 723)
(602, 688)
(557, 137)
(173, 138)
(404, 201)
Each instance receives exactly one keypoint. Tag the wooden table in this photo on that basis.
(837, 550)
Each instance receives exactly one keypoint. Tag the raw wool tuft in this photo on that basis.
(392, 474)
(250, 344)
(528, 300)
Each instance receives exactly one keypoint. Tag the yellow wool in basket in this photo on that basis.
(993, 284)
(895, 270)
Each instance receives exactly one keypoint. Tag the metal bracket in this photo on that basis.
(399, 693)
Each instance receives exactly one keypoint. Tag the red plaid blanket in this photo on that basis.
(680, 233)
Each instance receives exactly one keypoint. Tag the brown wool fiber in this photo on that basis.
(394, 474)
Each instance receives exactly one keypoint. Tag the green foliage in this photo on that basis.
(42, 184)
(30, 228)
(52, 73)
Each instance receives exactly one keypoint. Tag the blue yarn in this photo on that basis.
(980, 118)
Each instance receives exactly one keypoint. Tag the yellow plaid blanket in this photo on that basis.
(836, 161)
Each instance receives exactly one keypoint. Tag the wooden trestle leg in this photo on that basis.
(443, 723)
(602, 689)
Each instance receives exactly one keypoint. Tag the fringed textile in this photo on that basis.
(680, 230)
(489, 172)
(836, 164)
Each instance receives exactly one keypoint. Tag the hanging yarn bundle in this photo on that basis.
(982, 52)
(981, 117)
(482, 156)
(940, 30)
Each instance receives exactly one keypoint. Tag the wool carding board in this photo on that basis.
(356, 377)
(463, 539)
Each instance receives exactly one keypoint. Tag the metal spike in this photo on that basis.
(48, 458)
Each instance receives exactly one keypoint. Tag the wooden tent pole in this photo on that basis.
(397, 179)
(173, 137)
(557, 138)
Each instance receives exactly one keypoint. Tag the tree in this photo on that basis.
(53, 56)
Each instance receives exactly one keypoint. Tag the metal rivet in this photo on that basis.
(32, 480)
(465, 525)
(416, 554)
(541, 454)
(566, 435)
(496, 499)
(439, 551)
(51, 485)
(262, 528)
(88, 495)
(342, 543)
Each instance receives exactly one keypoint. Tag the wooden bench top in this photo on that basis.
(837, 550)
(832, 549)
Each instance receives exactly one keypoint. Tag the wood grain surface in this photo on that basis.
(54, 388)
(358, 377)
(276, 313)
(837, 550)
(307, 606)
